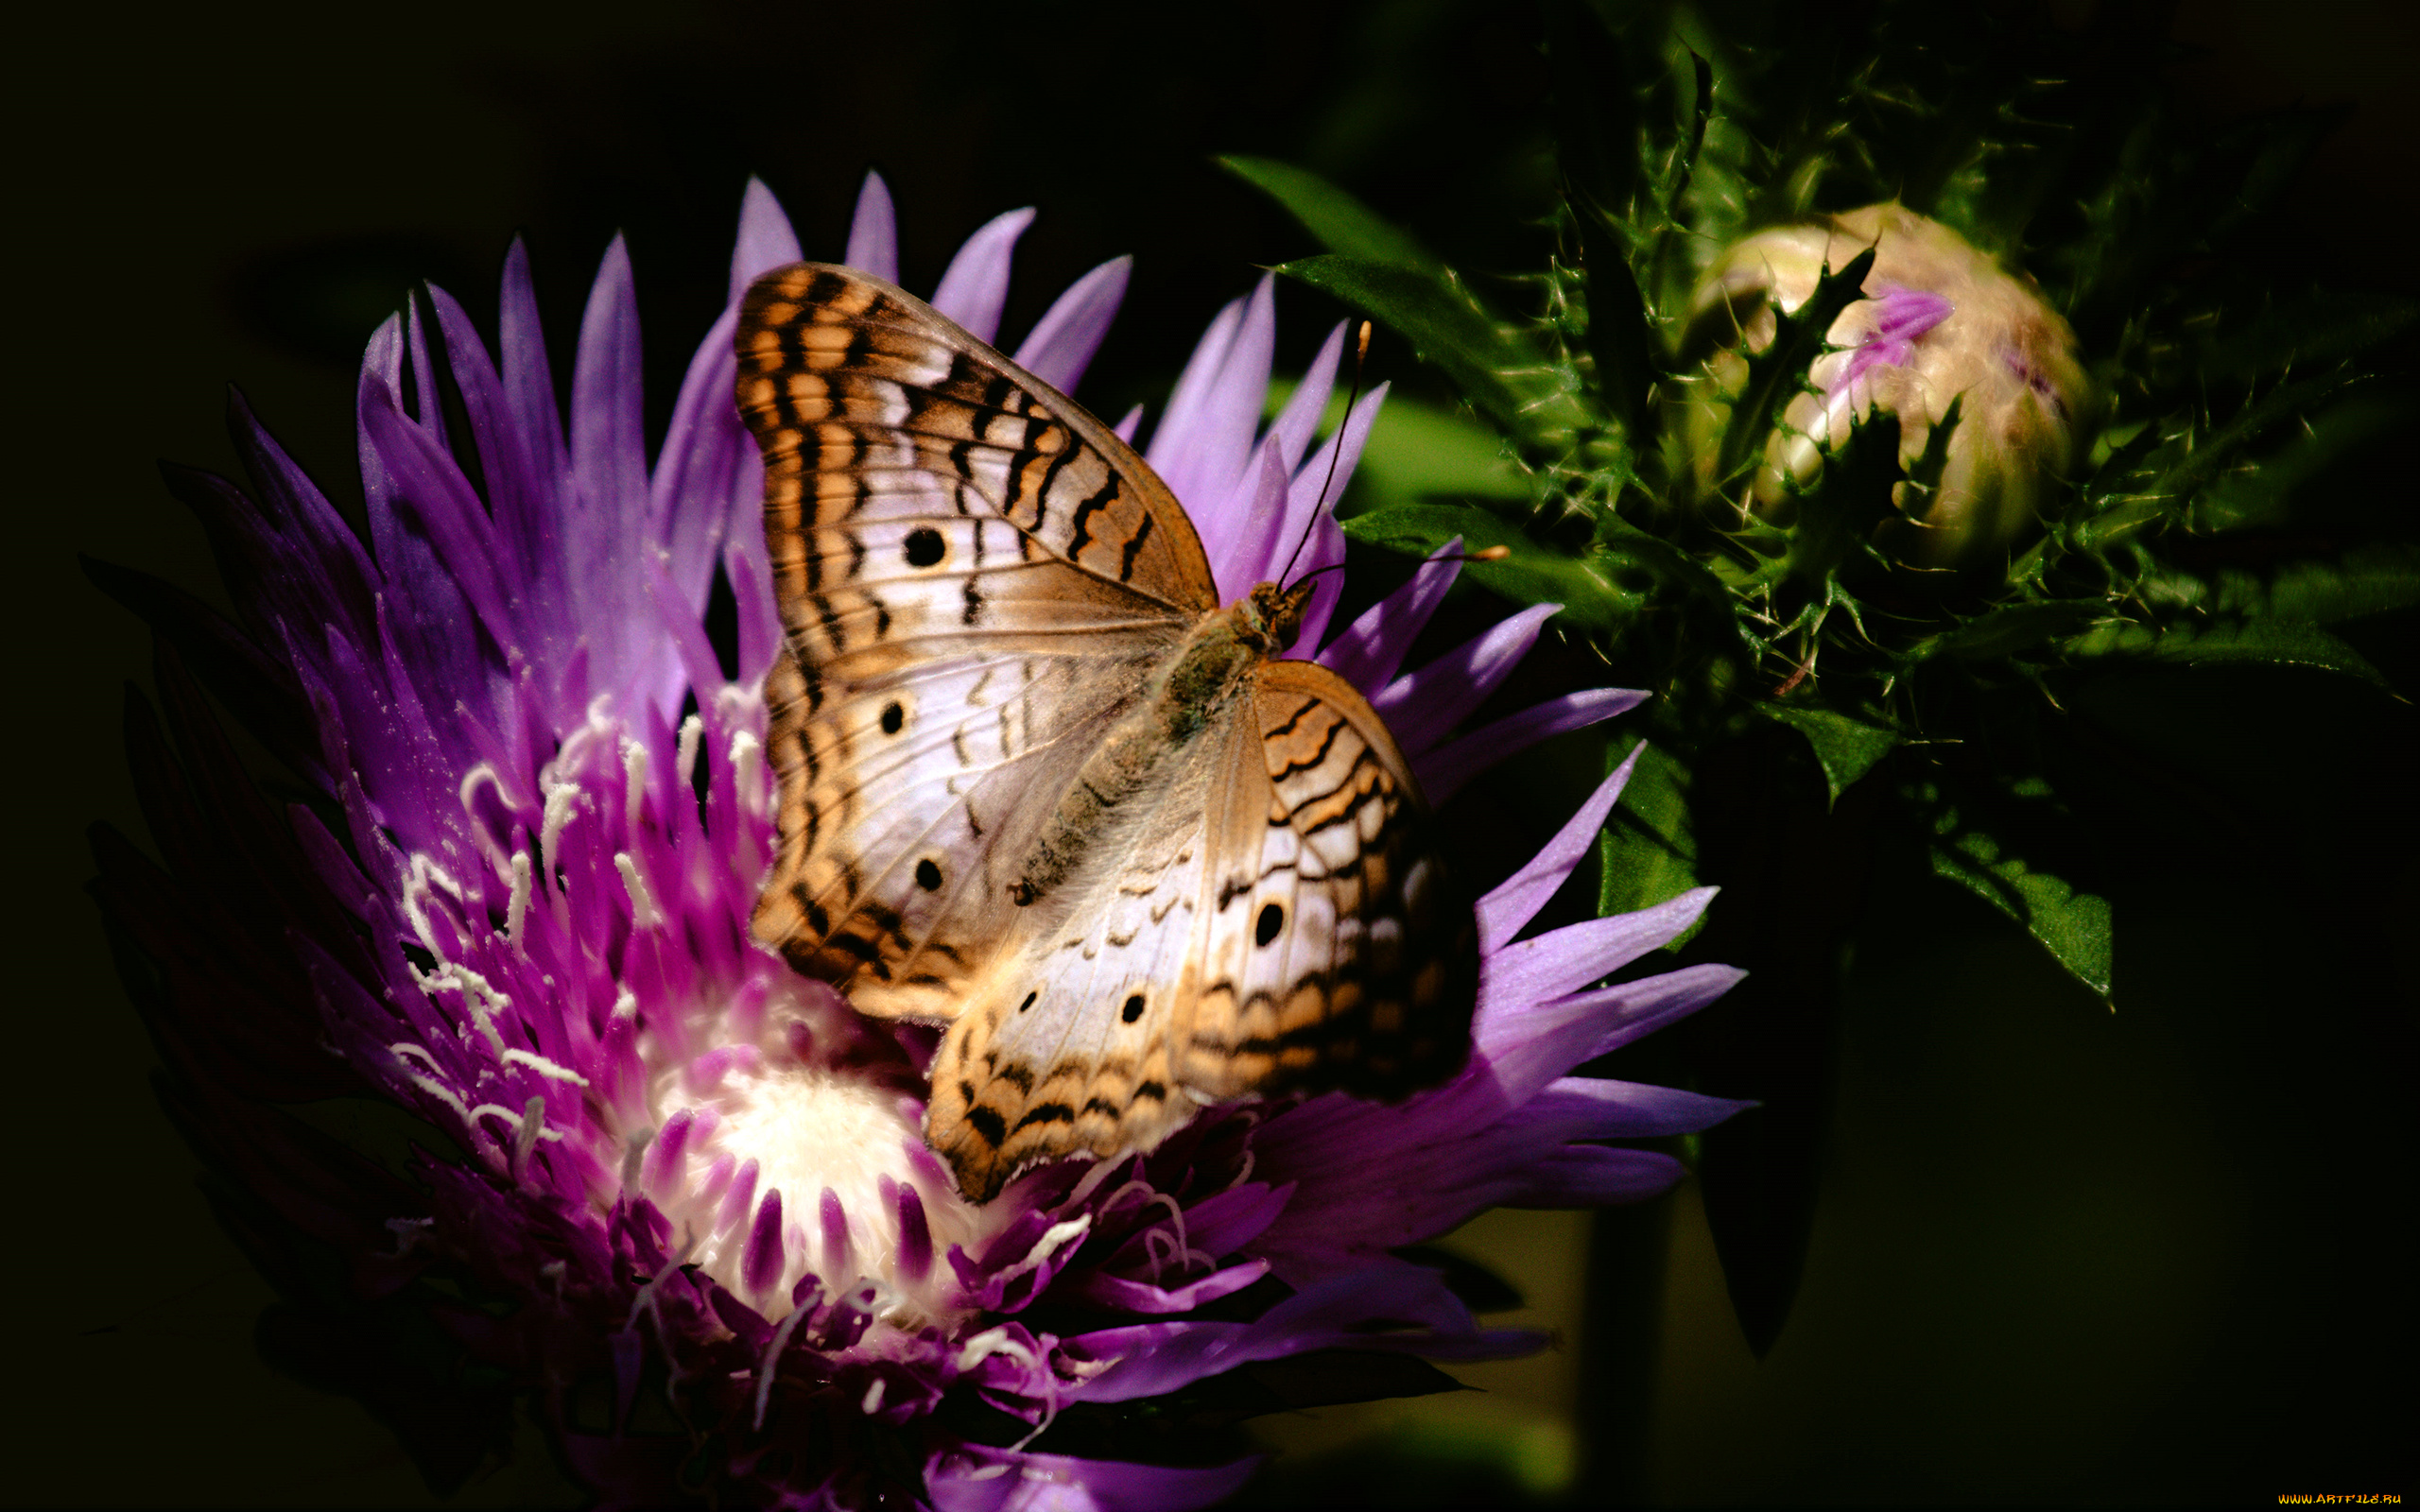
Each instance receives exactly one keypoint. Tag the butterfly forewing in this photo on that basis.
(972, 573)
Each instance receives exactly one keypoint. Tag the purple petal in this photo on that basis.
(1202, 449)
(1422, 706)
(835, 1221)
(1225, 1223)
(1142, 1296)
(1526, 1049)
(529, 383)
(975, 288)
(1311, 494)
(1517, 899)
(1533, 971)
(766, 240)
(1624, 1015)
(1247, 527)
(915, 1235)
(745, 563)
(1300, 420)
(1443, 770)
(519, 491)
(1170, 455)
(1587, 1176)
(608, 426)
(1149, 1359)
(1325, 549)
(1062, 344)
(873, 232)
(1373, 647)
(971, 1477)
(410, 480)
(1631, 1110)
(426, 408)
(761, 1263)
(695, 496)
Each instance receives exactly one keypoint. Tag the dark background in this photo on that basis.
(2061, 1255)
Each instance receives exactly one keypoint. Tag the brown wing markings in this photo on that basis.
(856, 889)
(903, 337)
(1371, 1023)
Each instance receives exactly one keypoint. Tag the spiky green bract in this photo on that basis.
(2205, 518)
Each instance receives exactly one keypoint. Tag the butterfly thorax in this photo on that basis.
(1188, 696)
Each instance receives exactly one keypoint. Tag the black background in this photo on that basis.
(2162, 1255)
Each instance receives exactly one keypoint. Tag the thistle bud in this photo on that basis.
(1939, 323)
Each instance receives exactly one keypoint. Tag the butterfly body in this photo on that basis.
(1038, 784)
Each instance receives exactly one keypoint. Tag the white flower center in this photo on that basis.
(794, 1147)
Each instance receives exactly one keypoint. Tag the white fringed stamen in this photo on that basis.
(516, 908)
(643, 912)
(684, 760)
(484, 774)
(748, 768)
(518, 1056)
(634, 784)
(1044, 1247)
(425, 876)
(404, 1048)
(774, 1348)
(445, 1094)
(563, 803)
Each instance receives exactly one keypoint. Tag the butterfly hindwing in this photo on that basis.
(903, 806)
(1346, 958)
(1279, 922)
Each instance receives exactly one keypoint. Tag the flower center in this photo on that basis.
(791, 1151)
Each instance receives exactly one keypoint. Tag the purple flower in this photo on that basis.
(685, 1198)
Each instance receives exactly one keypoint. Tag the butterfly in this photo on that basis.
(1036, 783)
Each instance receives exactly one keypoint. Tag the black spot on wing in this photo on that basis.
(1264, 930)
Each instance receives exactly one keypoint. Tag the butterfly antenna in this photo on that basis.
(1483, 554)
(1336, 453)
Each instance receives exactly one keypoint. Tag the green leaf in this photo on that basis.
(1845, 747)
(2306, 333)
(1647, 853)
(1620, 337)
(1505, 372)
(2006, 631)
(2073, 926)
(2262, 494)
(2230, 642)
(1587, 589)
(1341, 223)
(2191, 459)
(2367, 580)
(1419, 451)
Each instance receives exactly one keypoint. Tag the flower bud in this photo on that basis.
(1939, 322)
